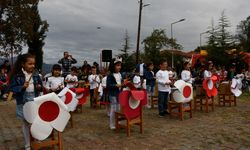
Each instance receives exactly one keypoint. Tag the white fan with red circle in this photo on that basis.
(46, 113)
(236, 87)
(69, 98)
(184, 92)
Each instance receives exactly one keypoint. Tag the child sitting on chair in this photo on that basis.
(71, 79)
(55, 83)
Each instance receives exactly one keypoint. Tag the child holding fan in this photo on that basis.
(55, 83)
(26, 84)
(114, 85)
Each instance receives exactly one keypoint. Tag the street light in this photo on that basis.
(173, 39)
(139, 29)
(201, 35)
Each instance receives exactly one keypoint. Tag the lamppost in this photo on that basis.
(173, 39)
(200, 37)
(139, 30)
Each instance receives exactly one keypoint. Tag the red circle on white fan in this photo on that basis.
(48, 111)
(68, 98)
(187, 91)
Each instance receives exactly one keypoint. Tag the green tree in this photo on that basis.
(243, 34)
(22, 25)
(128, 62)
(220, 40)
(157, 41)
(35, 39)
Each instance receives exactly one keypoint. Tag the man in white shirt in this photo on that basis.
(162, 76)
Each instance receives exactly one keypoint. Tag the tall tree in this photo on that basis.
(219, 41)
(224, 38)
(22, 25)
(153, 44)
(35, 39)
(128, 63)
(243, 34)
(156, 42)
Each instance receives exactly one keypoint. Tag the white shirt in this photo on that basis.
(118, 78)
(55, 83)
(137, 81)
(94, 81)
(28, 78)
(104, 82)
(186, 76)
(103, 85)
(207, 74)
(141, 69)
(71, 78)
(162, 78)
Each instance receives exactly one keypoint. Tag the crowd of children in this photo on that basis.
(105, 87)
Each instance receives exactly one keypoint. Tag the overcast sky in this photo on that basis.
(73, 23)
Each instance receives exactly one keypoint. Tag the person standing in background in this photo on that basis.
(66, 62)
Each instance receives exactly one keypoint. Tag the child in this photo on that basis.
(55, 83)
(137, 79)
(164, 89)
(26, 84)
(150, 82)
(71, 79)
(114, 85)
(4, 81)
(186, 73)
(94, 81)
(103, 91)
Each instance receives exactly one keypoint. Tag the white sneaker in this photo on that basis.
(148, 106)
(112, 128)
(27, 147)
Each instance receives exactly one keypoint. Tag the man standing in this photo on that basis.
(66, 62)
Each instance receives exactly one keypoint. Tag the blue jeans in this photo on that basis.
(162, 101)
(28, 96)
(150, 90)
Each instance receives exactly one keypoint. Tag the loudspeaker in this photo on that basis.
(106, 55)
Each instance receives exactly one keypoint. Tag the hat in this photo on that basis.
(236, 87)
(184, 92)
(117, 60)
(131, 102)
(209, 86)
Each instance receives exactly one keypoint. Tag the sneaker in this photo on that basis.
(27, 147)
(166, 112)
(161, 115)
(112, 128)
(148, 106)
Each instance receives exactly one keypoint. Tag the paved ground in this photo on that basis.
(227, 128)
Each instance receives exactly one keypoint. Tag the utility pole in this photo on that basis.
(138, 33)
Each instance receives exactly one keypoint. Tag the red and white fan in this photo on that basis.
(209, 86)
(46, 113)
(131, 102)
(237, 85)
(81, 95)
(184, 92)
(69, 98)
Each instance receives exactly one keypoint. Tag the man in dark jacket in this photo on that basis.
(66, 62)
